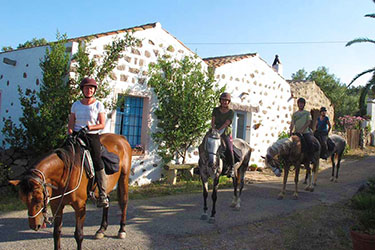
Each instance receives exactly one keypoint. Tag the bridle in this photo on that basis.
(46, 195)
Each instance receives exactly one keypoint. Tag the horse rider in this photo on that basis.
(301, 120)
(222, 117)
(323, 126)
(89, 114)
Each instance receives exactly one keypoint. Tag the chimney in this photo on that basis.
(277, 66)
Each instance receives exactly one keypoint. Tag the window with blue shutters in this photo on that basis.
(129, 119)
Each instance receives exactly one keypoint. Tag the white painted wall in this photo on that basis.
(268, 91)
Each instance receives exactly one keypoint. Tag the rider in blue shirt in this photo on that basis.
(323, 126)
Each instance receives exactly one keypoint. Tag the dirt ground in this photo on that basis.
(319, 227)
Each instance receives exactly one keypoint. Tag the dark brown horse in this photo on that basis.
(59, 180)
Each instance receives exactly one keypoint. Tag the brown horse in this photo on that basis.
(59, 180)
(287, 152)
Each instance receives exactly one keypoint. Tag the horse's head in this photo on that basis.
(274, 164)
(35, 195)
(213, 143)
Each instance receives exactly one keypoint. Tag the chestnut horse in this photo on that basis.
(288, 152)
(59, 179)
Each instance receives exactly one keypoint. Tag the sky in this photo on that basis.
(306, 34)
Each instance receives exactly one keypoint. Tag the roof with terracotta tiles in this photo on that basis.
(114, 32)
(221, 60)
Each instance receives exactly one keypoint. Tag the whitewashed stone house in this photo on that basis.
(261, 96)
(261, 99)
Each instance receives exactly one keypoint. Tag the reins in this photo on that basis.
(46, 194)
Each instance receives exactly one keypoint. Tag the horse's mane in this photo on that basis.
(66, 153)
(280, 147)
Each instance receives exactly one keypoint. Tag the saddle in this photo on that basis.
(304, 145)
(237, 153)
(330, 144)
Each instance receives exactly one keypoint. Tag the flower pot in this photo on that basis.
(362, 241)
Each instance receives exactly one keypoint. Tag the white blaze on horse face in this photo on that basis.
(212, 146)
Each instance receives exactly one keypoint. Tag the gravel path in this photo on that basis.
(173, 222)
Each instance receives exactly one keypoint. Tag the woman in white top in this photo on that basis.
(89, 114)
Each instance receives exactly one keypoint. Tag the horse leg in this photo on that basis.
(214, 198)
(80, 212)
(235, 184)
(204, 216)
(282, 193)
(333, 167)
(241, 181)
(315, 172)
(103, 225)
(57, 225)
(295, 195)
(123, 197)
(308, 176)
(338, 167)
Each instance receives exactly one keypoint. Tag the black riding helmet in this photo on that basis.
(302, 100)
(323, 109)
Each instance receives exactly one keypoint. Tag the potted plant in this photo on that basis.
(363, 233)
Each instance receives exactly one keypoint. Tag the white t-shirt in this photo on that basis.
(87, 115)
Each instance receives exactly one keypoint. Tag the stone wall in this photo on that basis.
(315, 99)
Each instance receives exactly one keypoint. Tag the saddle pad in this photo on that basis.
(111, 161)
(330, 144)
(237, 154)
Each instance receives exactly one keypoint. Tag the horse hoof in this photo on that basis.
(204, 217)
(99, 235)
(121, 235)
(305, 182)
(233, 205)
(307, 188)
(280, 197)
(211, 220)
(332, 179)
(236, 208)
(336, 181)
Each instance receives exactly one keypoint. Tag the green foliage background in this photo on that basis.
(43, 125)
(186, 96)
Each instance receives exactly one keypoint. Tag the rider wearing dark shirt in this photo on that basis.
(222, 117)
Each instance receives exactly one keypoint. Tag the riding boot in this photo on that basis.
(101, 180)
(230, 172)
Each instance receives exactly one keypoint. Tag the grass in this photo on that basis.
(9, 200)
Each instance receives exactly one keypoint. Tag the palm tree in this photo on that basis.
(371, 83)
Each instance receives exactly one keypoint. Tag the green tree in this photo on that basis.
(186, 96)
(6, 48)
(369, 86)
(45, 112)
(100, 68)
(300, 75)
(33, 43)
(44, 121)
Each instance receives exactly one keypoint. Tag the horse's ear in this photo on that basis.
(14, 182)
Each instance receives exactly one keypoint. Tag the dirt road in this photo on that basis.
(173, 222)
